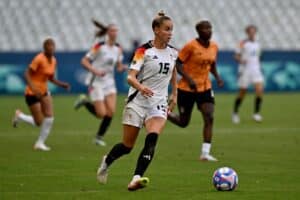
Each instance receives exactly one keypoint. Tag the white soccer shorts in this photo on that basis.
(136, 115)
(248, 78)
(99, 92)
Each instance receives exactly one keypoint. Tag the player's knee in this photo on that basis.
(100, 114)
(184, 121)
(110, 113)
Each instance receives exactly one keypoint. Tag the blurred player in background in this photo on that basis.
(37, 96)
(150, 72)
(195, 61)
(249, 72)
(100, 61)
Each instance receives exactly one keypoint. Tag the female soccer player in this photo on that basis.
(38, 98)
(100, 62)
(195, 61)
(249, 72)
(151, 70)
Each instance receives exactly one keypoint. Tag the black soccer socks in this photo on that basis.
(103, 126)
(258, 101)
(116, 152)
(237, 104)
(147, 154)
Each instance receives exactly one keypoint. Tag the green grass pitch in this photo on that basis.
(265, 156)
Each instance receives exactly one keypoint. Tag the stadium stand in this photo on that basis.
(24, 22)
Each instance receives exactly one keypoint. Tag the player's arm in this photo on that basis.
(59, 83)
(238, 58)
(132, 81)
(214, 71)
(31, 85)
(120, 66)
(86, 63)
(179, 67)
(173, 97)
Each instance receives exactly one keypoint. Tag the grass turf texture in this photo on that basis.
(265, 156)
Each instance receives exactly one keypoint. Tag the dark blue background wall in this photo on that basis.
(281, 69)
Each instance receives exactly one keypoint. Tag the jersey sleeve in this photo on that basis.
(185, 52)
(35, 63)
(138, 59)
(93, 52)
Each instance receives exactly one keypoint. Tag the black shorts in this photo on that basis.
(186, 99)
(31, 99)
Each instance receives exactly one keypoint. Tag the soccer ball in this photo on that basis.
(225, 179)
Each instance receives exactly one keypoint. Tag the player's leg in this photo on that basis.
(239, 99)
(130, 134)
(36, 116)
(243, 83)
(259, 89)
(110, 104)
(132, 122)
(205, 103)
(237, 103)
(96, 106)
(185, 103)
(154, 125)
(47, 110)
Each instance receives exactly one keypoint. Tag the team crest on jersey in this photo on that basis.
(155, 57)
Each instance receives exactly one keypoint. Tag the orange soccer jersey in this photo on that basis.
(197, 61)
(42, 70)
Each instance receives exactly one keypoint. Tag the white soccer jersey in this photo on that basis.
(250, 53)
(103, 57)
(155, 68)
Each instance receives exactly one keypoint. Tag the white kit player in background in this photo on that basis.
(249, 73)
(100, 62)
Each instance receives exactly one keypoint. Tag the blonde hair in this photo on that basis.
(159, 19)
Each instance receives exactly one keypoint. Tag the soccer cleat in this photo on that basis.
(41, 147)
(80, 101)
(257, 117)
(100, 142)
(15, 119)
(138, 183)
(235, 118)
(102, 171)
(208, 157)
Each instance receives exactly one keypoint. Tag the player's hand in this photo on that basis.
(122, 68)
(98, 72)
(66, 86)
(192, 84)
(220, 82)
(243, 62)
(146, 92)
(172, 102)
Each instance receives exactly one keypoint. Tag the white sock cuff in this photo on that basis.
(206, 148)
(48, 120)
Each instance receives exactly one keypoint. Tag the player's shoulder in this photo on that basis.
(40, 57)
(213, 43)
(118, 45)
(143, 48)
(98, 44)
(243, 43)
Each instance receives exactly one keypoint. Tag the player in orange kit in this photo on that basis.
(195, 61)
(37, 96)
